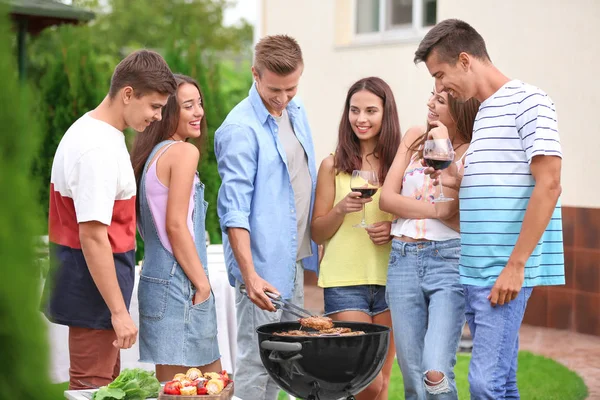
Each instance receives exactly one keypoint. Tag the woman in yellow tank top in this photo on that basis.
(353, 270)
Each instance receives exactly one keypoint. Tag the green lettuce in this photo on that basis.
(131, 384)
(107, 393)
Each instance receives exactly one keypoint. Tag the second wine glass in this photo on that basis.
(367, 184)
(439, 154)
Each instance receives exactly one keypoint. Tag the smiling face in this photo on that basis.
(276, 91)
(366, 114)
(140, 112)
(191, 112)
(454, 78)
(438, 108)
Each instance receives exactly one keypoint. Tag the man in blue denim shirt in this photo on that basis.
(266, 161)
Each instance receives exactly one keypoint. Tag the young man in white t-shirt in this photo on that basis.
(510, 217)
(92, 220)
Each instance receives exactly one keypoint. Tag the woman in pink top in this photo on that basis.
(178, 327)
(424, 293)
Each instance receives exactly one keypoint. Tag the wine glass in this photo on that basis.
(366, 183)
(439, 154)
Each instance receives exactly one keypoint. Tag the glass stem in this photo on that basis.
(363, 223)
(441, 196)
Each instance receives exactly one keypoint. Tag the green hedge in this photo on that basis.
(23, 346)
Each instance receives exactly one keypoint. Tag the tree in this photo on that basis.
(73, 78)
(74, 64)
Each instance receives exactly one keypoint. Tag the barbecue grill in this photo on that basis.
(323, 367)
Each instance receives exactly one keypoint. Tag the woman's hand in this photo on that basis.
(380, 232)
(439, 131)
(202, 294)
(351, 203)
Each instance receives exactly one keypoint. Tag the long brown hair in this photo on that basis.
(463, 114)
(347, 154)
(165, 128)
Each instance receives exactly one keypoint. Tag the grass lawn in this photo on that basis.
(539, 378)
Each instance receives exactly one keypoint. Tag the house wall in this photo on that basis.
(549, 43)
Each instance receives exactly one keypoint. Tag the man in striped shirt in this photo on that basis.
(510, 215)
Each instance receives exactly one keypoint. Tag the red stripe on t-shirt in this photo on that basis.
(121, 231)
(63, 228)
(62, 221)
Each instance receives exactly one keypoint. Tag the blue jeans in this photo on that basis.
(369, 299)
(427, 304)
(495, 331)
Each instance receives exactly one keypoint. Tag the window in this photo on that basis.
(393, 18)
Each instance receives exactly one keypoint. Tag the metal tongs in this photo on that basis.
(281, 304)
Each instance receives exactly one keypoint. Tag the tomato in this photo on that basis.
(173, 387)
(225, 377)
(201, 390)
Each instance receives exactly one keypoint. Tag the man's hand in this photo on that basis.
(380, 232)
(256, 288)
(97, 251)
(125, 329)
(508, 285)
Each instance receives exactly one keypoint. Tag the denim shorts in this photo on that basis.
(369, 299)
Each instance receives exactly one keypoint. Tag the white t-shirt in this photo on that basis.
(92, 167)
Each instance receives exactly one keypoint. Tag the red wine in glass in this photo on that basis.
(439, 154)
(437, 163)
(365, 192)
(366, 183)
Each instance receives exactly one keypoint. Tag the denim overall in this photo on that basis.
(173, 331)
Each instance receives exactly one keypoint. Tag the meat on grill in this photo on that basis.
(323, 326)
(335, 330)
(294, 333)
(317, 323)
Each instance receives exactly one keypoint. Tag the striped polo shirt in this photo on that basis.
(512, 126)
(92, 180)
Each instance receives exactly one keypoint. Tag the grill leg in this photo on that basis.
(314, 395)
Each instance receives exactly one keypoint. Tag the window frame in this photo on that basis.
(385, 34)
